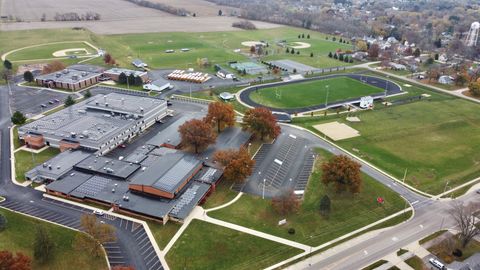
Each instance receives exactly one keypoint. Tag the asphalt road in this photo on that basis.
(130, 248)
(390, 87)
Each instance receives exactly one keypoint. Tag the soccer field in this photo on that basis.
(307, 94)
(435, 140)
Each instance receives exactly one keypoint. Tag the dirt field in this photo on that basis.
(32, 10)
(142, 25)
(337, 131)
(200, 7)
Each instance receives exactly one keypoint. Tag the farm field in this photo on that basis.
(433, 139)
(218, 47)
(19, 236)
(348, 212)
(199, 7)
(306, 94)
(208, 246)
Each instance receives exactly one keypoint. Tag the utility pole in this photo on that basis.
(263, 191)
(405, 175)
(326, 98)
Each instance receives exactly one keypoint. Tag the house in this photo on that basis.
(158, 85)
(445, 79)
(443, 58)
(139, 63)
(396, 66)
(359, 55)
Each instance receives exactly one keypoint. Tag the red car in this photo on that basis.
(122, 146)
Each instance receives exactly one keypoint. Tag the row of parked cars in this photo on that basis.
(51, 102)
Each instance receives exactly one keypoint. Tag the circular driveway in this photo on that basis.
(391, 88)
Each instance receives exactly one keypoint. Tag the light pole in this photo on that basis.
(249, 145)
(444, 189)
(405, 175)
(263, 190)
(326, 98)
(386, 87)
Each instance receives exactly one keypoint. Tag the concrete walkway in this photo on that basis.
(226, 204)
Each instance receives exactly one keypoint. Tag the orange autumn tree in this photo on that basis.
(197, 134)
(261, 122)
(53, 67)
(221, 114)
(18, 262)
(237, 164)
(343, 172)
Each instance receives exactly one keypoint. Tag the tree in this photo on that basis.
(287, 50)
(197, 134)
(417, 52)
(3, 222)
(252, 49)
(87, 94)
(100, 233)
(361, 45)
(220, 12)
(325, 205)
(131, 79)
(294, 71)
(436, 56)
(298, 52)
(464, 217)
(7, 64)
(292, 51)
(429, 61)
(343, 173)
(311, 54)
(461, 79)
(303, 35)
(18, 262)
(108, 59)
(474, 88)
(69, 101)
(330, 54)
(18, 118)
(340, 40)
(373, 51)
(308, 36)
(54, 66)
(237, 165)
(43, 245)
(220, 113)
(335, 56)
(262, 122)
(122, 78)
(433, 74)
(340, 57)
(137, 81)
(286, 203)
(28, 76)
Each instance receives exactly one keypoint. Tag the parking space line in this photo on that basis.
(143, 253)
(152, 267)
(149, 254)
(145, 238)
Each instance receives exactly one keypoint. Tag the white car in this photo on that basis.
(98, 212)
(437, 263)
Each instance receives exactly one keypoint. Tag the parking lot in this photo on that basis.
(29, 100)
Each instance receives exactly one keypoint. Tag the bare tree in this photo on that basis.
(464, 216)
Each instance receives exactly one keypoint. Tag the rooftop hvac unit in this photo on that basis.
(58, 167)
(58, 75)
(113, 190)
(75, 77)
(44, 165)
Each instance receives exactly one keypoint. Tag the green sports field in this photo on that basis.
(46, 51)
(306, 94)
(218, 47)
(435, 140)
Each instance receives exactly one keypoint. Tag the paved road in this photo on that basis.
(390, 87)
(131, 247)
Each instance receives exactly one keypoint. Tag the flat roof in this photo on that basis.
(139, 154)
(124, 104)
(170, 134)
(70, 75)
(189, 198)
(108, 166)
(118, 71)
(92, 125)
(168, 172)
(57, 166)
(69, 183)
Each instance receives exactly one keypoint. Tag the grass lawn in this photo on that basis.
(163, 233)
(348, 212)
(401, 251)
(416, 263)
(375, 265)
(434, 139)
(24, 162)
(19, 236)
(218, 47)
(208, 246)
(312, 93)
(46, 51)
(16, 141)
(442, 250)
(221, 195)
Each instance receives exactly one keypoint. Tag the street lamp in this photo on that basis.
(446, 184)
(326, 98)
(263, 191)
(249, 145)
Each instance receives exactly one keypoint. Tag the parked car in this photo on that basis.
(437, 264)
(478, 191)
(122, 146)
(43, 105)
(98, 212)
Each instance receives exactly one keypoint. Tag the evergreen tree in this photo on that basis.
(292, 51)
(69, 101)
(303, 35)
(340, 57)
(122, 78)
(335, 56)
(43, 246)
(311, 54)
(325, 205)
(87, 94)
(288, 50)
(138, 80)
(7, 64)
(330, 54)
(131, 79)
(28, 76)
(308, 36)
(18, 118)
